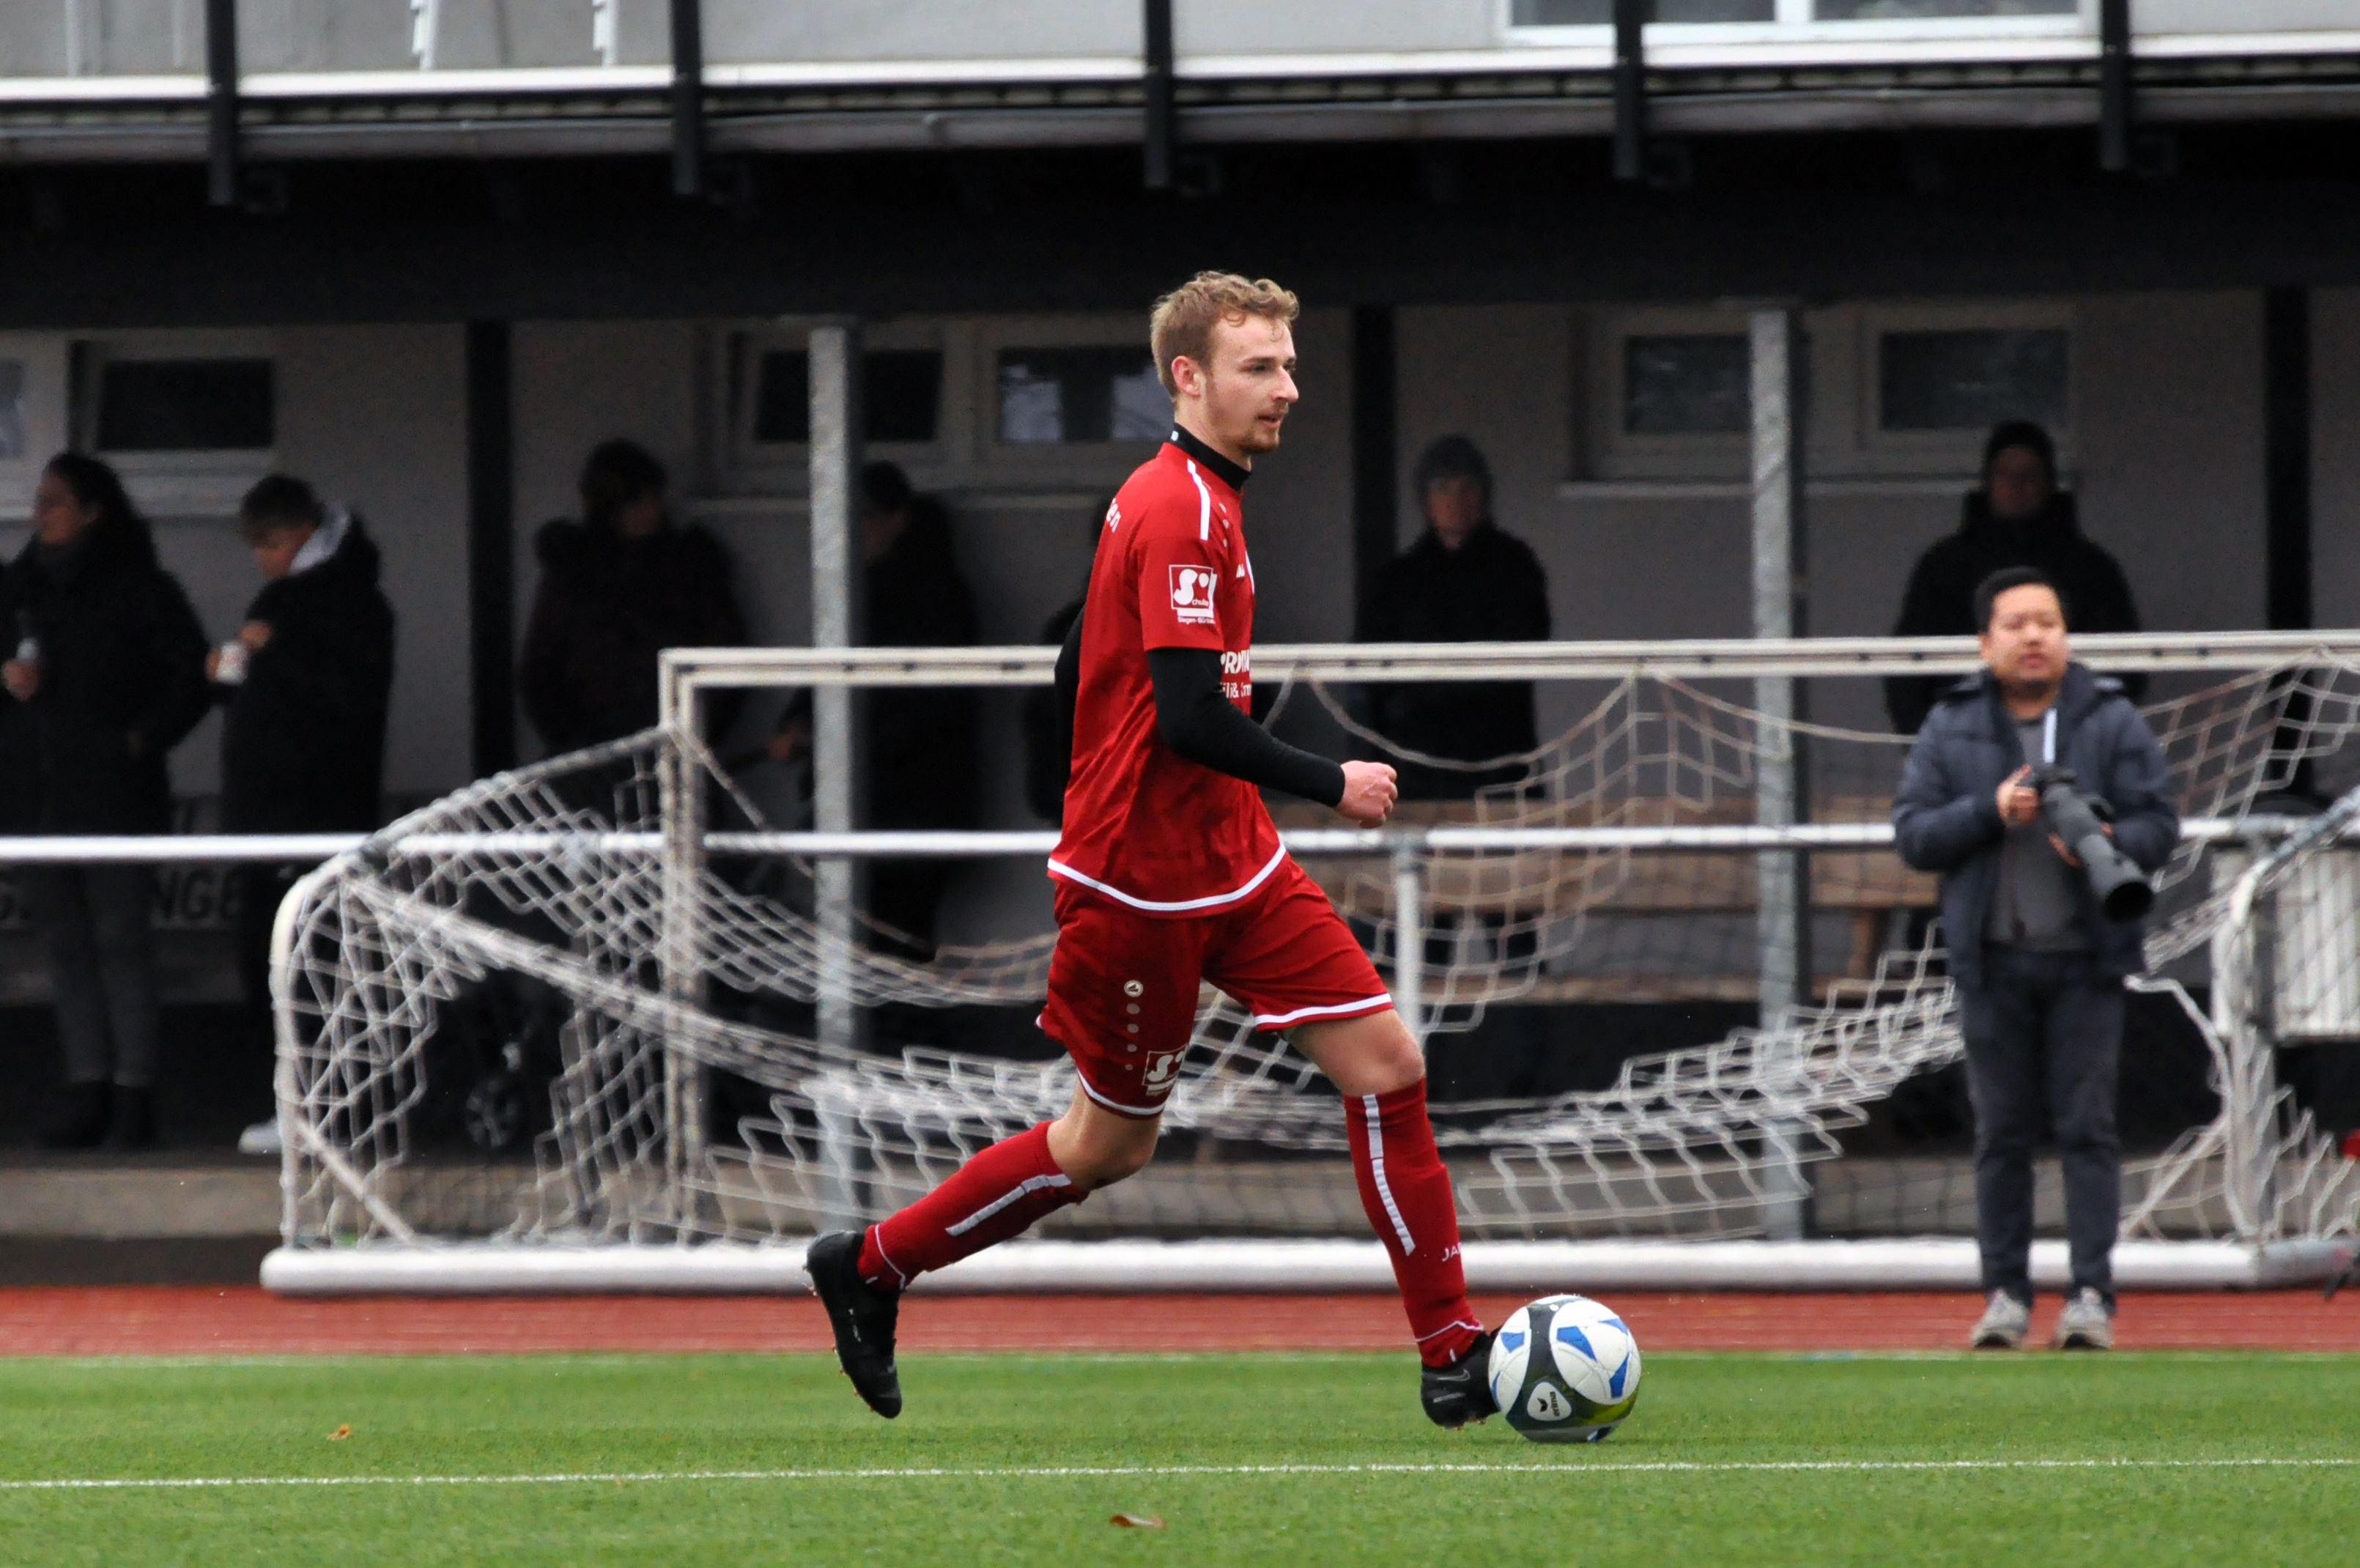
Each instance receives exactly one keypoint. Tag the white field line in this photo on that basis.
(1086, 1472)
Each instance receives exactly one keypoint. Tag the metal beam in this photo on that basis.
(835, 360)
(2115, 86)
(1630, 90)
(491, 547)
(220, 102)
(1160, 127)
(688, 97)
(1376, 473)
(1782, 766)
(2286, 439)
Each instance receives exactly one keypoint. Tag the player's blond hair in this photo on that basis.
(1184, 318)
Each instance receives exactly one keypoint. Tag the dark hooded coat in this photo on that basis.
(1940, 601)
(122, 682)
(1492, 588)
(606, 606)
(303, 736)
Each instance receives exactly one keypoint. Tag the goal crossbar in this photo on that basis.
(1695, 659)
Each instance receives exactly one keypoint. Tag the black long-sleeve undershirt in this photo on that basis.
(1196, 721)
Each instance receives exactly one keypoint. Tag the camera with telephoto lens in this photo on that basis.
(2078, 817)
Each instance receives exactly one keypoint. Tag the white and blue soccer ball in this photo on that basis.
(1565, 1369)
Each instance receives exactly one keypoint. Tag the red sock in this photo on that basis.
(996, 1195)
(1405, 1189)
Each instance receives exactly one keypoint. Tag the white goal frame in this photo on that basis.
(685, 844)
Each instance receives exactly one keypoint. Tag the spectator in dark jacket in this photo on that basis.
(2039, 967)
(921, 742)
(617, 589)
(108, 677)
(1465, 580)
(2019, 518)
(304, 685)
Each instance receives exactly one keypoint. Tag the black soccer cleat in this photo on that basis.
(862, 1316)
(1460, 1392)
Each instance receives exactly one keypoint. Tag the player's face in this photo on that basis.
(2024, 645)
(1249, 386)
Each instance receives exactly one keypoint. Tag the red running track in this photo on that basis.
(246, 1321)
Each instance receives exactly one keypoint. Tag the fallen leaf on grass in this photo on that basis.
(1137, 1522)
(341, 1433)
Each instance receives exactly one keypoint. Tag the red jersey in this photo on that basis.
(1144, 825)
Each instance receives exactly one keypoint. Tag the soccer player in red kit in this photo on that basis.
(1170, 872)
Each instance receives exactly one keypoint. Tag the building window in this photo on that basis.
(900, 396)
(13, 441)
(1600, 13)
(1970, 380)
(1919, 10)
(186, 405)
(1686, 383)
(1075, 396)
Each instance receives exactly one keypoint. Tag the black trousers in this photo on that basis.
(94, 925)
(260, 890)
(2044, 1036)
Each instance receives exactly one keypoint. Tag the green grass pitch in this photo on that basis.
(2231, 1459)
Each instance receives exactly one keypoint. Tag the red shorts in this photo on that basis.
(1122, 985)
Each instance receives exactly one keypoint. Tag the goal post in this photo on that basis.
(566, 1026)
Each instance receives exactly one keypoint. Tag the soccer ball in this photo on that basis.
(1565, 1369)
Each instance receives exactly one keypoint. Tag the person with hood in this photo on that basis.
(617, 589)
(922, 742)
(2019, 517)
(2038, 964)
(304, 687)
(1465, 580)
(108, 676)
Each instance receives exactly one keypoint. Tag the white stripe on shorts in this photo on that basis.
(1280, 1020)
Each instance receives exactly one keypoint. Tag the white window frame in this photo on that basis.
(1614, 452)
(967, 460)
(175, 484)
(1846, 441)
(44, 359)
(770, 467)
(1087, 464)
(1796, 25)
(1877, 451)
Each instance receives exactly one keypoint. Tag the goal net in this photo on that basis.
(1672, 979)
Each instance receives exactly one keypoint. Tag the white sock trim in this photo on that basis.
(1468, 1323)
(1377, 1172)
(1029, 1185)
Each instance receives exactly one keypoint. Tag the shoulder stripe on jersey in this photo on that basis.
(1204, 503)
(1058, 868)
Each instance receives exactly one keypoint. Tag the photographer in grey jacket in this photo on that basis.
(2038, 964)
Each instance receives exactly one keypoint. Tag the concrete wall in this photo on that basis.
(2335, 456)
(2168, 391)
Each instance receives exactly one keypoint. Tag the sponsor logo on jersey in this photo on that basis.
(1114, 514)
(1192, 594)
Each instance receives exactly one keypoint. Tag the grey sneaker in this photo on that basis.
(2087, 1322)
(2004, 1324)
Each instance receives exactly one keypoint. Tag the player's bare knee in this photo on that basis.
(1373, 1055)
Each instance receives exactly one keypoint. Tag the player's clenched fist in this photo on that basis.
(1368, 794)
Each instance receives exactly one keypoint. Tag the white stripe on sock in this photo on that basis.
(879, 1243)
(1029, 1184)
(1377, 1171)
